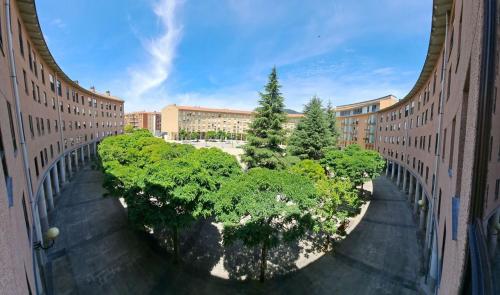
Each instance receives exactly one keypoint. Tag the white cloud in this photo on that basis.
(58, 23)
(148, 76)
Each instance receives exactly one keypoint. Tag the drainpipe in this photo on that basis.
(22, 141)
(61, 132)
(432, 222)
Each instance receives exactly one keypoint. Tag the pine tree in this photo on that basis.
(312, 134)
(266, 131)
(331, 118)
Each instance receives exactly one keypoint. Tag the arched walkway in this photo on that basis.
(97, 252)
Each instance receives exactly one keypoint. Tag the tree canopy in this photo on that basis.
(264, 208)
(331, 120)
(266, 131)
(353, 163)
(164, 185)
(312, 134)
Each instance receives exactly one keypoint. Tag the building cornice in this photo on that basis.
(436, 43)
(27, 11)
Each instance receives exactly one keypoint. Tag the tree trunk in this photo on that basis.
(176, 245)
(263, 263)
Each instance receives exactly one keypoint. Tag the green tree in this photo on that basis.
(312, 134)
(174, 196)
(266, 131)
(331, 120)
(309, 168)
(338, 201)
(164, 185)
(354, 163)
(264, 208)
(128, 128)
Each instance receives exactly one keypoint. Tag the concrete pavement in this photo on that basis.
(98, 253)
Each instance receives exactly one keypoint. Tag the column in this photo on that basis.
(410, 189)
(88, 152)
(48, 191)
(55, 178)
(398, 181)
(62, 169)
(82, 156)
(95, 149)
(42, 211)
(493, 233)
(404, 179)
(417, 195)
(423, 210)
(433, 269)
(393, 170)
(38, 227)
(70, 168)
(76, 159)
(386, 168)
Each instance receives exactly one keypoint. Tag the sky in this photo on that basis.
(219, 53)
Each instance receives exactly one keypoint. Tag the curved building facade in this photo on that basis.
(49, 127)
(442, 146)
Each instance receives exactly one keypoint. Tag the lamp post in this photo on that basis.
(50, 236)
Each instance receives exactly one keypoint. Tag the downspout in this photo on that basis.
(432, 222)
(58, 106)
(22, 141)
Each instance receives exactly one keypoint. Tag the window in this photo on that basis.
(25, 82)
(452, 143)
(12, 131)
(497, 188)
(26, 219)
(51, 80)
(30, 119)
(51, 151)
(37, 172)
(48, 125)
(38, 126)
(45, 154)
(439, 204)
(42, 159)
(3, 159)
(42, 73)
(30, 59)
(59, 89)
(444, 145)
(449, 84)
(21, 42)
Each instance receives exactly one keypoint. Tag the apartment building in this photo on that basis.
(49, 126)
(442, 146)
(144, 120)
(202, 120)
(356, 122)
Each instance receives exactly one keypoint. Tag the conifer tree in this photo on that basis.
(266, 131)
(331, 118)
(312, 134)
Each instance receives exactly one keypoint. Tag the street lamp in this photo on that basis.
(50, 236)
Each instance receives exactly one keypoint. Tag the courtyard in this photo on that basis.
(99, 253)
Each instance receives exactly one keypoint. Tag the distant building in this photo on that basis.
(175, 118)
(356, 122)
(144, 120)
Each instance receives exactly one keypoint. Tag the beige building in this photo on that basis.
(49, 126)
(144, 120)
(202, 120)
(356, 122)
(442, 146)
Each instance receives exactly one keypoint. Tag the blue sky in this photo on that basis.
(218, 53)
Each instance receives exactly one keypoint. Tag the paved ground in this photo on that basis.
(97, 253)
